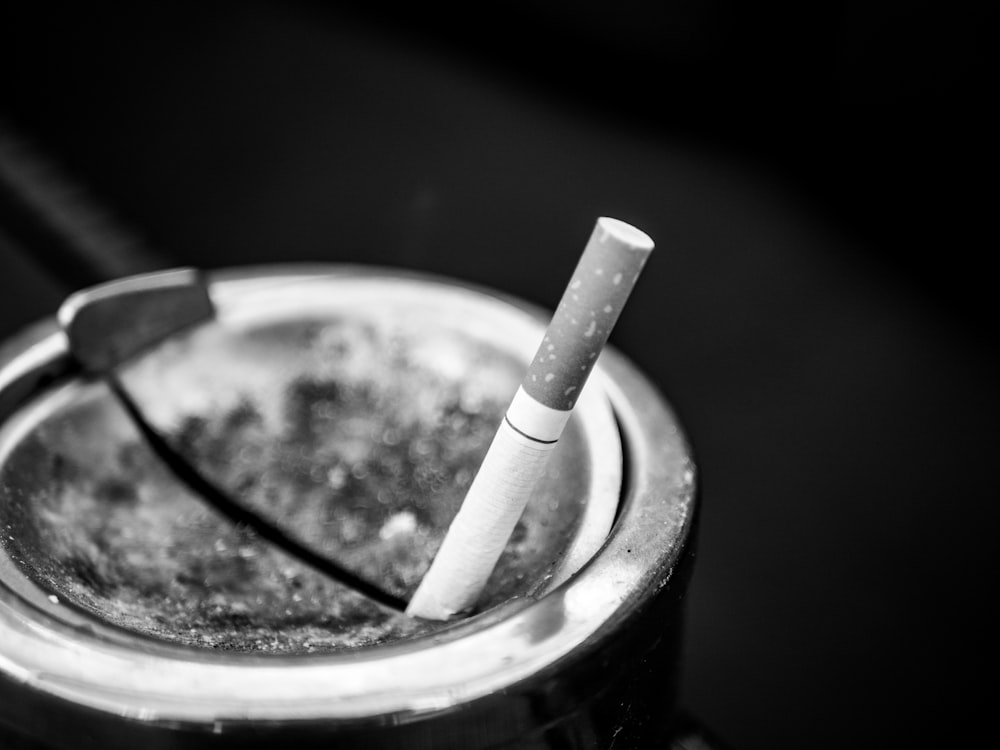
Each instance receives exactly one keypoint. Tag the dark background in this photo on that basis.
(819, 308)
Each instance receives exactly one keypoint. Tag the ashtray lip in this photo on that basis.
(432, 673)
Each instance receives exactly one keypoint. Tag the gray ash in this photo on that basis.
(357, 439)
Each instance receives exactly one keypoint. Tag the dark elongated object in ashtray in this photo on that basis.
(349, 410)
(109, 325)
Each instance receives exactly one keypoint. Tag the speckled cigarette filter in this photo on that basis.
(601, 284)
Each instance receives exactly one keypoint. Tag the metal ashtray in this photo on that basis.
(347, 408)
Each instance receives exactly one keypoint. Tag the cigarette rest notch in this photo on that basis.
(111, 323)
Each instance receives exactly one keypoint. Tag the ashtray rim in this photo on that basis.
(468, 661)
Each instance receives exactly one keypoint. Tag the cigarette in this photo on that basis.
(515, 461)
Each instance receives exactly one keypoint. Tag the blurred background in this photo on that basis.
(819, 310)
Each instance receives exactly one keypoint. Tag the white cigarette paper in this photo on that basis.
(516, 459)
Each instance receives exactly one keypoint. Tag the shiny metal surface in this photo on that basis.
(593, 659)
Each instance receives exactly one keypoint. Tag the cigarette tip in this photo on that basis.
(623, 234)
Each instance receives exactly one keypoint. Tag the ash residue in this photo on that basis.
(365, 457)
